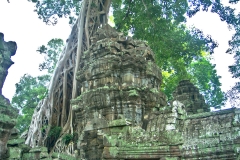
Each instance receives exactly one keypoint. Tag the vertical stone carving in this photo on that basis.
(8, 114)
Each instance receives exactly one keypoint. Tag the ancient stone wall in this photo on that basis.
(208, 135)
(172, 134)
(121, 114)
(212, 135)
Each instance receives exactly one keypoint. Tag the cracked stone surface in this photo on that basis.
(121, 114)
(7, 112)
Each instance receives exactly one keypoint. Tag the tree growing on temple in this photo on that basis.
(158, 22)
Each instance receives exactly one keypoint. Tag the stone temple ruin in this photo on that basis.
(121, 114)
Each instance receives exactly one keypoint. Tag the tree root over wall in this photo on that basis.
(55, 110)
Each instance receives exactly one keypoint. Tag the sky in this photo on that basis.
(19, 23)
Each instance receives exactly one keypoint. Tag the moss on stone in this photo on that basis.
(113, 151)
(25, 148)
(63, 156)
(6, 119)
(15, 153)
(171, 158)
(208, 114)
(133, 93)
(28, 156)
(118, 122)
(38, 149)
(154, 90)
(14, 142)
(1, 45)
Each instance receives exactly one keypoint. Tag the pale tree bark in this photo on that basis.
(79, 49)
(55, 109)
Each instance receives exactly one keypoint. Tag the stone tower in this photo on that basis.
(119, 86)
(189, 95)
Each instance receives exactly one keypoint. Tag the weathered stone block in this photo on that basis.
(15, 152)
(170, 127)
(15, 142)
(171, 120)
(110, 141)
(62, 156)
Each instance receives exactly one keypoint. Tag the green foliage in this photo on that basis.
(52, 136)
(234, 93)
(206, 79)
(161, 24)
(49, 10)
(203, 75)
(67, 138)
(233, 1)
(51, 51)
(44, 128)
(29, 91)
(133, 93)
(54, 132)
(178, 50)
(170, 82)
(169, 39)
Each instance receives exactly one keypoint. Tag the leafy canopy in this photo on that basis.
(178, 50)
(31, 90)
(161, 23)
(51, 54)
(234, 93)
(50, 10)
(205, 77)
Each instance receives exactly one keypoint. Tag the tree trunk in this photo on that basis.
(55, 109)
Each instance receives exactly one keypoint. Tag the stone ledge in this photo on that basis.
(208, 114)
